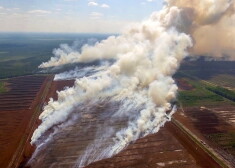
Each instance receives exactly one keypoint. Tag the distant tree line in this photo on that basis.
(222, 92)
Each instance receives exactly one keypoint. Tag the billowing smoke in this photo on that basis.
(211, 25)
(139, 79)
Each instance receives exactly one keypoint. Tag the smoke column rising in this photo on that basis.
(146, 56)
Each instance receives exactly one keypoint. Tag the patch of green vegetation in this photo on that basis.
(228, 94)
(204, 92)
(3, 87)
(24, 56)
(199, 96)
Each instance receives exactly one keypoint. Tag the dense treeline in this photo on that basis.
(222, 92)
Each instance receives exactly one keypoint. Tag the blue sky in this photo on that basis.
(98, 16)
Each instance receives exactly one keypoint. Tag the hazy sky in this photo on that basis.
(100, 16)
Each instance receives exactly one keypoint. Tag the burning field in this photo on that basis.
(80, 134)
(126, 82)
(109, 107)
(169, 147)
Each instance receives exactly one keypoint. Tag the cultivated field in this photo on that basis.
(168, 148)
(211, 128)
(3, 87)
(71, 142)
(19, 109)
(204, 112)
(224, 80)
(207, 107)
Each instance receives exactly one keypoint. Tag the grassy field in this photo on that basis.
(212, 81)
(226, 81)
(228, 94)
(204, 92)
(3, 87)
(21, 54)
(199, 96)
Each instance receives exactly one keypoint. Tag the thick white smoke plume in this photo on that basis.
(146, 56)
(211, 24)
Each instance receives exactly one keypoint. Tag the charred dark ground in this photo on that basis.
(203, 126)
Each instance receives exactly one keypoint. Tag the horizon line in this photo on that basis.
(21, 32)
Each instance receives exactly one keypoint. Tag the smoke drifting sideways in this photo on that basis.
(211, 25)
(146, 56)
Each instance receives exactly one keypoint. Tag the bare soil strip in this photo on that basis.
(19, 110)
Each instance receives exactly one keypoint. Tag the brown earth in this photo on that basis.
(205, 123)
(52, 89)
(19, 108)
(152, 151)
(184, 84)
(186, 153)
(170, 147)
(58, 86)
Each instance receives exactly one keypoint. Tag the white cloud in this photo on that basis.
(70, 0)
(9, 9)
(96, 15)
(39, 12)
(104, 6)
(92, 3)
(26, 22)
